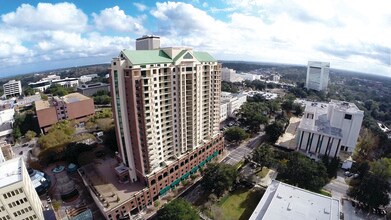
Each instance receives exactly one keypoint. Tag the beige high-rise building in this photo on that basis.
(166, 104)
(18, 198)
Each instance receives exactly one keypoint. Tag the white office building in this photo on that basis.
(282, 201)
(12, 88)
(328, 128)
(18, 198)
(229, 75)
(224, 110)
(317, 75)
(230, 104)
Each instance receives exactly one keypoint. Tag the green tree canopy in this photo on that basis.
(235, 134)
(178, 209)
(366, 147)
(253, 114)
(381, 167)
(60, 134)
(274, 131)
(263, 155)
(30, 135)
(372, 190)
(302, 172)
(218, 178)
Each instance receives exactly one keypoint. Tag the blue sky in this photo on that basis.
(352, 35)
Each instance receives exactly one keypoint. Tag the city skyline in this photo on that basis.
(42, 36)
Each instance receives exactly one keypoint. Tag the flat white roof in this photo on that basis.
(283, 201)
(11, 171)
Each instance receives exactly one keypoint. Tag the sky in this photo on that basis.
(351, 35)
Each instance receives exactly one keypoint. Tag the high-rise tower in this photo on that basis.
(166, 104)
(317, 75)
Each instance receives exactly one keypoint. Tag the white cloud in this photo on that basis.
(284, 31)
(139, 6)
(47, 16)
(115, 19)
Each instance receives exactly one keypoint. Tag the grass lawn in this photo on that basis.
(240, 204)
(262, 173)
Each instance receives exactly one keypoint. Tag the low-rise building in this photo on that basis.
(229, 75)
(43, 84)
(87, 78)
(7, 112)
(282, 201)
(6, 152)
(224, 110)
(328, 128)
(18, 198)
(230, 104)
(67, 82)
(12, 88)
(91, 89)
(73, 106)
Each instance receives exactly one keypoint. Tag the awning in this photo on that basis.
(194, 169)
(215, 153)
(185, 175)
(176, 182)
(209, 158)
(202, 163)
(164, 190)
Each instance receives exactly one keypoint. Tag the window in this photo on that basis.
(348, 116)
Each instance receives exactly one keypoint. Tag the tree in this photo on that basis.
(73, 150)
(298, 109)
(263, 155)
(59, 135)
(179, 209)
(30, 135)
(332, 165)
(302, 172)
(28, 91)
(218, 178)
(235, 134)
(16, 133)
(252, 114)
(287, 105)
(274, 131)
(366, 146)
(381, 167)
(372, 190)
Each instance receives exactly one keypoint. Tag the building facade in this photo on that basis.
(229, 75)
(328, 128)
(91, 89)
(12, 88)
(73, 106)
(166, 106)
(6, 152)
(18, 198)
(317, 75)
(231, 103)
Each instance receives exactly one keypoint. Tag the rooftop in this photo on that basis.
(74, 97)
(11, 171)
(105, 184)
(142, 57)
(41, 104)
(283, 201)
(319, 122)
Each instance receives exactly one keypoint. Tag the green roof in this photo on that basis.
(141, 57)
(204, 57)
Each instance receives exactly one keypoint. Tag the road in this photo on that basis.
(338, 187)
(233, 157)
(237, 154)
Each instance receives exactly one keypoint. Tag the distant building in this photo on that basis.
(72, 106)
(19, 200)
(317, 75)
(91, 89)
(43, 84)
(328, 128)
(229, 75)
(249, 76)
(282, 201)
(87, 78)
(232, 102)
(12, 88)
(276, 78)
(148, 42)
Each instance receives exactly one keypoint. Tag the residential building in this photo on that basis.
(73, 106)
(328, 128)
(166, 105)
(91, 89)
(6, 152)
(18, 198)
(282, 201)
(317, 75)
(12, 88)
(229, 75)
